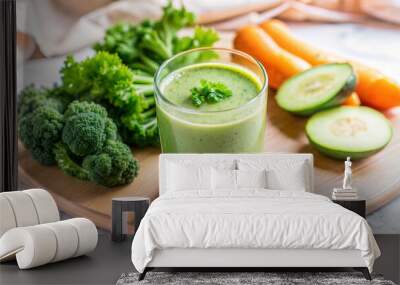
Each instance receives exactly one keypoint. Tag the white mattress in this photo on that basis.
(253, 218)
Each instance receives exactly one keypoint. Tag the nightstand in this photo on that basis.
(121, 205)
(356, 206)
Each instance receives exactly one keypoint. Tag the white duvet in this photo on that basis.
(250, 219)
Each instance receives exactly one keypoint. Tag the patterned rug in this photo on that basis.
(253, 278)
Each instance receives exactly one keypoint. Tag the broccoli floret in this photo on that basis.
(111, 130)
(32, 98)
(83, 133)
(113, 166)
(90, 149)
(78, 107)
(39, 131)
(87, 128)
(67, 164)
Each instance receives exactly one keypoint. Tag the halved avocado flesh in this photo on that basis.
(345, 131)
(316, 89)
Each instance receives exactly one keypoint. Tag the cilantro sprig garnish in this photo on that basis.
(209, 92)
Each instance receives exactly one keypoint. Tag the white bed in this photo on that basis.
(280, 225)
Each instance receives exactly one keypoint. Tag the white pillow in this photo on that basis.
(251, 178)
(294, 179)
(282, 174)
(181, 177)
(223, 179)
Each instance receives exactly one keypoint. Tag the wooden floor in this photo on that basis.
(110, 260)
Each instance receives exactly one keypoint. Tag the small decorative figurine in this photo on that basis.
(347, 175)
(347, 192)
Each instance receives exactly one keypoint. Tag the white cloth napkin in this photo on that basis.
(55, 31)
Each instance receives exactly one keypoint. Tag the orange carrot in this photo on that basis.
(352, 100)
(374, 88)
(275, 78)
(286, 40)
(378, 90)
(280, 64)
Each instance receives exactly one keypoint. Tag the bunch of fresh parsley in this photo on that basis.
(146, 45)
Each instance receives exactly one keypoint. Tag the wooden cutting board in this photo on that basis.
(377, 178)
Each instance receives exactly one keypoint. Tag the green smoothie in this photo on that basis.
(233, 125)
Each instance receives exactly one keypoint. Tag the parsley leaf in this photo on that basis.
(209, 92)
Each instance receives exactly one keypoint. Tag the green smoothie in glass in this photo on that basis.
(234, 124)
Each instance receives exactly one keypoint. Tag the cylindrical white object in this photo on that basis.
(23, 207)
(45, 205)
(33, 246)
(30, 230)
(87, 234)
(67, 239)
(37, 245)
(7, 218)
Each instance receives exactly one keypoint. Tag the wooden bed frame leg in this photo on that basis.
(143, 274)
(364, 271)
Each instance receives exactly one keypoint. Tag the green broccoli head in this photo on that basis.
(79, 107)
(84, 133)
(111, 130)
(83, 142)
(87, 128)
(32, 98)
(39, 131)
(113, 166)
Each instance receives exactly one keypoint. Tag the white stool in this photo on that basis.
(31, 233)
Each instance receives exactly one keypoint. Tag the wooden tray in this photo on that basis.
(377, 178)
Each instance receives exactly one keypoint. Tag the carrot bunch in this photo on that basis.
(284, 55)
